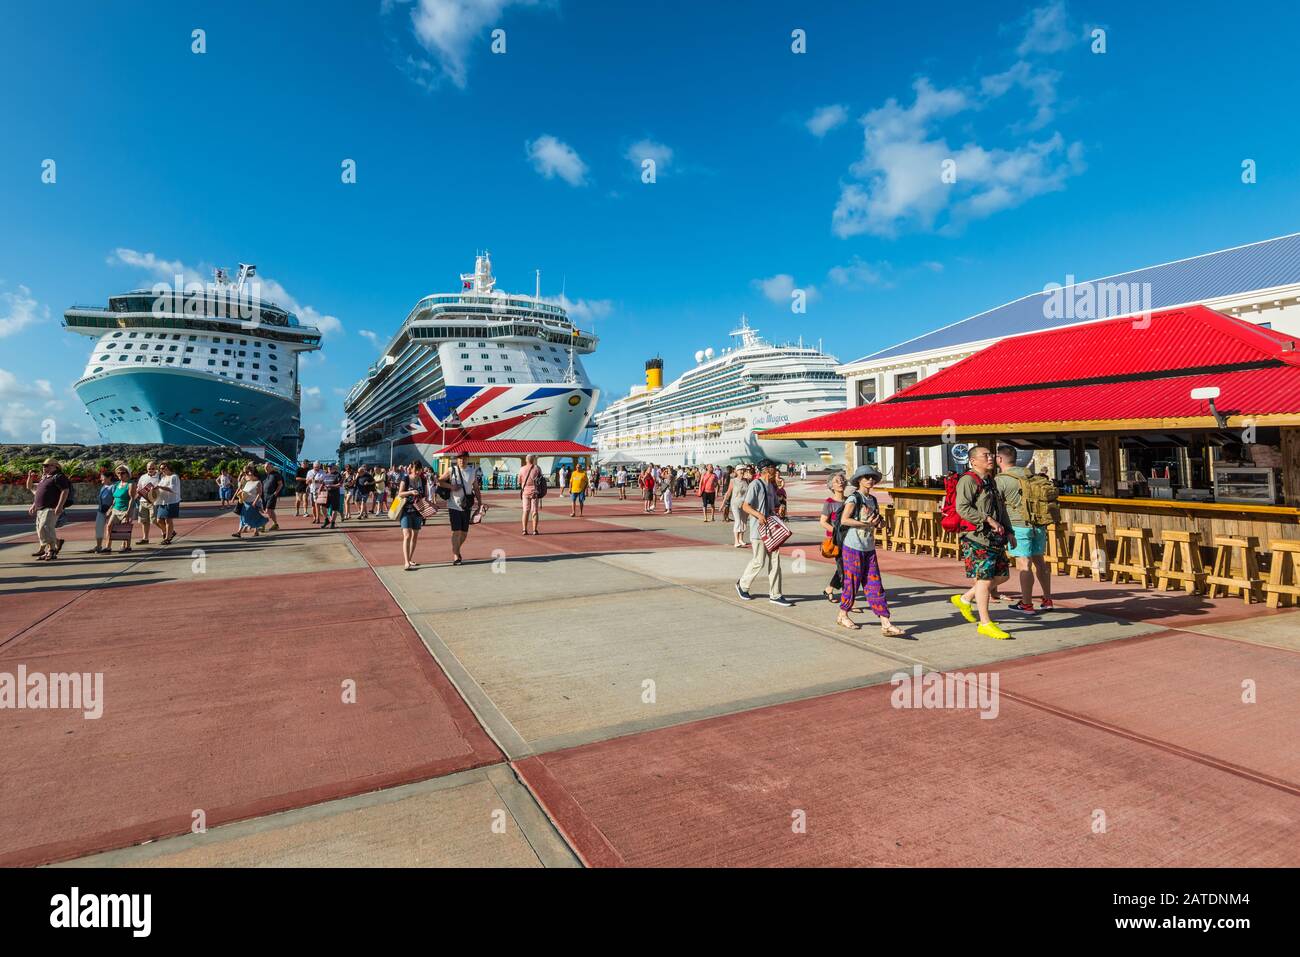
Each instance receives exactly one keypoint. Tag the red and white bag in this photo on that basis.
(774, 533)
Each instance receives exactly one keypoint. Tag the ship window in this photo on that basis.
(482, 355)
(103, 358)
(241, 352)
(130, 335)
(139, 358)
(461, 344)
(111, 345)
(469, 368)
(487, 368)
(553, 349)
(257, 355)
(147, 335)
(482, 344)
(257, 365)
(273, 345)
(254, 378)
(171, 358)
(509, 369)
(230, 342)
(274, 369)
(274, 379)
(239, 375)
(98, 369)
(538, 348)
(464, 355)
(189, 348)
(226, 363)
(171, 349)
(243, 342)
(117, 335)
(470, 379)
(135, 408)
(185, 362)
(193, 338)
(212, 362)
(226, 351)
(239, 364)
(511, 379)
(492, 379)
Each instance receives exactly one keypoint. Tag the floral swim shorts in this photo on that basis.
(985, 562)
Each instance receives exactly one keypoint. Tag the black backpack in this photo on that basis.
(838, 531)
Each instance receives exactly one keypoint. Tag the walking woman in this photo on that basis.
(530, 479)
(225, 487)
(167, 501)
(300, 489)
(739, 486)
(250, 504)
(669, 480)
(647, 480)
(410, 489)
(861, 518)
(123, 490)
(833, 505)
(103, 510)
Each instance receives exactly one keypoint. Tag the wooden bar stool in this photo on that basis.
(904, 530)
(1133, 556)
(1056, 552)
(947, 543)
(1283, 585)
(883, 533)
(926, 532)
(1181, 562)
(1087, 552)
(1239, 553)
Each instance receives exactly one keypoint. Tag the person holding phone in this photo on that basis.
(860, 521)
(465, 482)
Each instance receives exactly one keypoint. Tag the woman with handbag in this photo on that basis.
(250, 504)
(859, 522)
(464, 483)
(411, 488)
(832, 507)
(739, 486)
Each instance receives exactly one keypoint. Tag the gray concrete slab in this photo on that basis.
(1274, 630)
(480, 818)
(512, 581)
(561, 676)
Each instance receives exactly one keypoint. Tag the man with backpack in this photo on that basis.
(1031, 503)
(973, 506)
(532, 489)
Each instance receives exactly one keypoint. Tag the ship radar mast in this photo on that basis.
(748, 336)
(481, 279)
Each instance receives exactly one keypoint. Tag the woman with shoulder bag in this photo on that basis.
(832, 507)
(410, 489)
(860, 520)
(532, 485)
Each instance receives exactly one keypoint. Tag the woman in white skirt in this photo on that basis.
(739, 521)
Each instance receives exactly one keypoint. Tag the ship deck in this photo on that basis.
(602, 692)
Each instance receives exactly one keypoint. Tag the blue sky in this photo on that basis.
(776, 170)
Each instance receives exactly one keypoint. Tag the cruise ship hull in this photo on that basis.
(526, 412)
(183, 408)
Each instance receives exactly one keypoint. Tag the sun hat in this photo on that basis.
(864, 471)
(54, 462)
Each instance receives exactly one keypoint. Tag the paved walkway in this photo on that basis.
(599, 694)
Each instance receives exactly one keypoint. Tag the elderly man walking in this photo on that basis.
(760, 505)
(50, 499)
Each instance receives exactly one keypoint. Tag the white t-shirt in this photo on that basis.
(146, 482)
(169, 489)
(313, 479)
(251, 488)
(462, 482)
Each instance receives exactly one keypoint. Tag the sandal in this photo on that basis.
(831, 596)
(892, 631)
(845, 622)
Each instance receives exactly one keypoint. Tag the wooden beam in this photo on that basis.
(1109, 448)
(1291, 466)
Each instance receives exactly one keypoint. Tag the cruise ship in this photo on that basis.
(479, 364)
(709, 415)
(195, 364)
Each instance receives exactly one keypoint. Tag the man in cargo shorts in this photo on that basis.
(1031, 539)
(145, 490)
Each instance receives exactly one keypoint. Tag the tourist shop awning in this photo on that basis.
(513, 448)
(1122, 375)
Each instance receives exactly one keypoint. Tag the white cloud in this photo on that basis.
(900, 183)
(18, 310)
(648, 149)
(1048, 30)
(858, 274)
(1038, 83)
(582, 311)
(28, 408)
(11, 387)
(449, 30)
(166, 270)
(826, 118)
(779, 288)
(372, 336)
(552, 157)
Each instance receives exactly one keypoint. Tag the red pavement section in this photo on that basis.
(382, 544)
(21, 610)
(224, 696)
(882, 786)
(1183, 690)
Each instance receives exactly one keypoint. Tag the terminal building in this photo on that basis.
(1259, 283)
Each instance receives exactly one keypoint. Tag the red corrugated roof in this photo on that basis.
(515, 447)
(1147, 367)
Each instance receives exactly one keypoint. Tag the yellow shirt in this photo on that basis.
(578, 482)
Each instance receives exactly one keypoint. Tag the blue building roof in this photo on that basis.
(1262, 265)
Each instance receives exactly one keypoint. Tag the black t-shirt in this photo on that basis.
(301, 474)
(365, 483)
(408, 484)
(50, 488)
(272, 484)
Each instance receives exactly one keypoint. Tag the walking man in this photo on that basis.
(272, 485)
(708, 493)
(760, 505)
(1029, 500)
(50, 499)
(144, 491)
(984, 543)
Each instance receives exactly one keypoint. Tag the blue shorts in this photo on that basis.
(167, 511)
(579, 496)
(1031, 540)
(412, 520)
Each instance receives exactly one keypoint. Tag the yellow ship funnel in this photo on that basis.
(654, 374)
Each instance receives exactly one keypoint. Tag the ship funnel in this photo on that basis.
(654, 373)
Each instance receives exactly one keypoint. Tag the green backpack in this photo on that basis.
(1038, 500)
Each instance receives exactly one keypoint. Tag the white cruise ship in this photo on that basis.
(710, 414)
(476, 365)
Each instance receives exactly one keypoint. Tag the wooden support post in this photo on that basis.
(900, 463)
(1109, 448)
(1291, 465)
